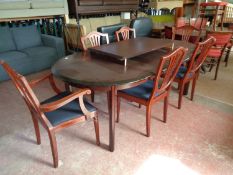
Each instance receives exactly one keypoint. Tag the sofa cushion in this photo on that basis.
(110, 20)
(18, 60)
(42, 57)
(26, 36)
(85, 23)
(14, 5)
(143, 26)
(110, 30)
(97, 22)
(44, 4)
(6, 39)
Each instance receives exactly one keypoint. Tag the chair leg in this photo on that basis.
(193, 86)
(118, 109)
(92, 96)
(227, 56)
(165, 109)
(139, 105)
(180, 94)
(96, 125)
(216, 71)
(37, 129)
(148, 120)
(53, 144)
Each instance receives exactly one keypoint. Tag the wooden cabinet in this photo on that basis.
(79, 7)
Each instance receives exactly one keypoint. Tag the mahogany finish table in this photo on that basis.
(102, 73)
(131, 48)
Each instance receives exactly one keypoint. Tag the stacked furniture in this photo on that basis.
(27, 9)
(27, 50)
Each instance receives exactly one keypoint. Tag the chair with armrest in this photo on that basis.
(154, 90)
(190, 72)
(143, 26)
(94, 39)
(185, 33)
(124, 33)
(215, 54)
(60, 111)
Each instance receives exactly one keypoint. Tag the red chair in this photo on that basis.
(56, 113)
(191, 71)
(216, 52)
(152, 91)
(184, 33)
(124, 33)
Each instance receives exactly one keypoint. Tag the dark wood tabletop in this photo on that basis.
(101, 72)
(131, 48)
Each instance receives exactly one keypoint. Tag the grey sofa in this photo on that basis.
(27, 50)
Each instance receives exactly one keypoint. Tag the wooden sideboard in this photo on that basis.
(85, 7)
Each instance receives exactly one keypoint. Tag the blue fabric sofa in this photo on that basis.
(27, 50)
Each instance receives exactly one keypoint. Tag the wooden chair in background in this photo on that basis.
(94, 39)
(125, 33)
(154, 90)
(185, 32)
(60, 111)
(190, 72)
(215, 54)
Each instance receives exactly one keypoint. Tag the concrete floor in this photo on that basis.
(196, 140)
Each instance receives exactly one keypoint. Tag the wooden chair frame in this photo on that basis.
(197, 59)
(94, 39)
(125, 33)
(185, 32)
(222, 40)
(172, 63)
(37, 109)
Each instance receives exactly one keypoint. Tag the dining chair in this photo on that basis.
(125, 33)
(57, 112)
(154, 90)
(189, 72)
(216, 52)
(184, 33)
(94, 39)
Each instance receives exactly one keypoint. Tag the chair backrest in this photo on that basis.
(94, 39)
(198, 57)
(199, 23)
(124, 33)
(186, 32)
(26, 91)
(168, 68)
(222, 38)
(72, 35)
(181, 21)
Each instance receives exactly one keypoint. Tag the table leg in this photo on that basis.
(112, 114)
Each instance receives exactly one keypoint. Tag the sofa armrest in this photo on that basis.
(55, 42)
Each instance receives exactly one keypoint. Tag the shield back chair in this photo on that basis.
(190, 71)
(186, 33)
(157, 89)
(60, 111)
(125, 33)
(215, 54)
(94, 39)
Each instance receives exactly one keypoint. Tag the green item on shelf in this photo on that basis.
(163, 18)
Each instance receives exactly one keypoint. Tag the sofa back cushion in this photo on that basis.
(26, 36)
(6, 39)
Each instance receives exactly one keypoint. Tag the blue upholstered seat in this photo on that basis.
(65, 113)
(142, 91)
(182, 71)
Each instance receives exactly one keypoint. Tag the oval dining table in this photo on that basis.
(104, 73)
